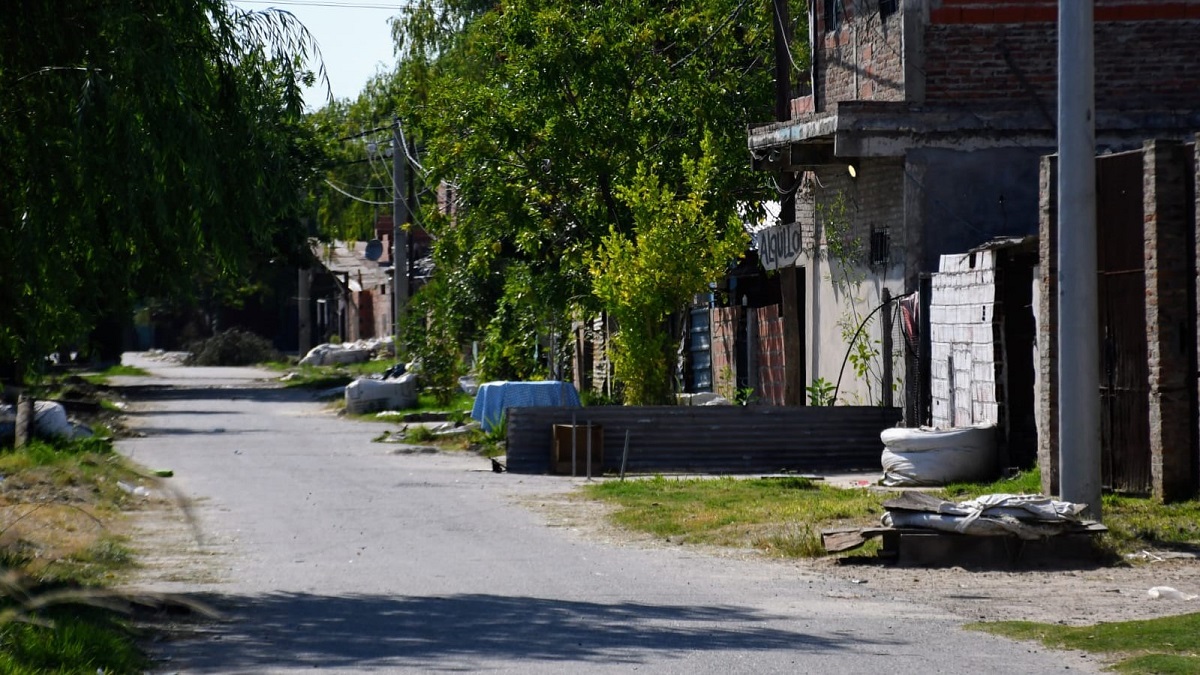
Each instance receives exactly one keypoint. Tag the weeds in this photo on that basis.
(60, 545)
(118, 370)
(820, 392)
(418, 434)
(1161, 646)
(778, 516)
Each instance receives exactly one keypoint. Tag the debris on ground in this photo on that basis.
(233, 347)
(1168, 593)
(359, 351)
(917, 515)
(367, 395)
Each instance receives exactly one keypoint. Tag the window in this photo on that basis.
(835, 13)
(881, 244)
(887, 8)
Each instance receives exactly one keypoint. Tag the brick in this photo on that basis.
(1009, 14)
(977, 15)
(948, 15)
(1041, 14)
(1143, 12)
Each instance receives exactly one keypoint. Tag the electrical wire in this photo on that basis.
(387, 174)
(404, 144)
(332, 3)
(354, 197)
(367, 132)
(786, 46)
(711, 35)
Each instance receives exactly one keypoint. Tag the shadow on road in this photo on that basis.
(299, 630)
(201, 391)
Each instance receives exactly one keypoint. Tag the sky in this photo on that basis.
(353, 35)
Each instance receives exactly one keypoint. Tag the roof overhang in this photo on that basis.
(858, 129)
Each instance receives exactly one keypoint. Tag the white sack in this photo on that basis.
(366, 395)
(916, 457)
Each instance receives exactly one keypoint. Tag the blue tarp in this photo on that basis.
(493, 397)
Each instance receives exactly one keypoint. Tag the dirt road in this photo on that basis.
(331, 553)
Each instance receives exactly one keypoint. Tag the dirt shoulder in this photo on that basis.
(1078, 596)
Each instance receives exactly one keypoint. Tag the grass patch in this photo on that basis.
(77, 639)
(1134, 523)
(419, 434)
(119, 370)
(1025, 482)
(778, 516)
(1164, 645)
(60, 530)
(59, 503)
(324, 377)
(458, 410)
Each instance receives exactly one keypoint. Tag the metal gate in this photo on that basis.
(1124, 369)
(700, 351)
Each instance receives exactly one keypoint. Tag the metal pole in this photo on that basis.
(1078, 337)
(589, 450)
(885, 320)
(399, 237)
(625, 455)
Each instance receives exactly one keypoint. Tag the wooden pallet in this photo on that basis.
(921, 546)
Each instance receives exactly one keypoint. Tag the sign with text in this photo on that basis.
(779, 246)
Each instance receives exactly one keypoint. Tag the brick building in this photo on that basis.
(918, 131)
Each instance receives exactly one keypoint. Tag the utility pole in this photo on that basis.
(1078, 322)
(788, 276)
(400, 215)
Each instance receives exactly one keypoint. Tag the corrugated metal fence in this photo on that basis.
(710, 439)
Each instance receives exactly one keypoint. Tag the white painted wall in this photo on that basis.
(962, 341)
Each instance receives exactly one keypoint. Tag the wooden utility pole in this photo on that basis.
(400, 215)
(789, 278)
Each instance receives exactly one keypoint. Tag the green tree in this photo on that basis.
(145, 146)
(539, 111)
(675, 248)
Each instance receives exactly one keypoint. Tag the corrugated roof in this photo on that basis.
(350, 260)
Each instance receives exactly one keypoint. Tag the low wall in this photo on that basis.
(710, 439)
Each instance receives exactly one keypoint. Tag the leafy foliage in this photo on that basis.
(149, 149)
(642, 278)
(820, 392)
(561, 125)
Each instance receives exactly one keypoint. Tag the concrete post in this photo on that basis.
(1078, 337)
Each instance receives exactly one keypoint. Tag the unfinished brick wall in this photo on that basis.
(768, 354)
(1168, 245)
(1047, 325)
(724, 338)
(861, 61)
(871, 201)
(599, 329)
(1006, 52)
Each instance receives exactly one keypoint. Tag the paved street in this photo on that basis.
(334, 554)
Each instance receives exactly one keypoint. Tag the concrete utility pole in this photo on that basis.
(399, 237)
(1078, 322)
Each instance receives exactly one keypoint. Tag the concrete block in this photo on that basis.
(365, 395)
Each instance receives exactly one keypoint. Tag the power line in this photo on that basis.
(711, 35)
(331, 3)
(354, 197)
(366, 132)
